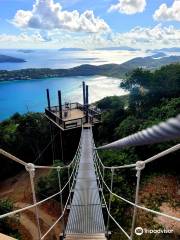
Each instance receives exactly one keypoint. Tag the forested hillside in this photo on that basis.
(153, 97)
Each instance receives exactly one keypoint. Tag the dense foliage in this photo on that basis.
(28, 137)
(153, 97)
(23, 136)
(7, 223)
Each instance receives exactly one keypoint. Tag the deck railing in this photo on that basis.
(53, 113)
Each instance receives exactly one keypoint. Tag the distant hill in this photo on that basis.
(111, 70)
(118, 49)
(71, 49)
(25, 51)
(5, 58)
(159, 55)
(150, 62)
(174, 49)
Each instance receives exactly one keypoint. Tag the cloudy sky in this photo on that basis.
(145, 24)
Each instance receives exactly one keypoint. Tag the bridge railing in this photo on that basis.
(72, 169)
(165, 131)
(53, 114)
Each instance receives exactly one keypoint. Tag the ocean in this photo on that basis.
(30, 95)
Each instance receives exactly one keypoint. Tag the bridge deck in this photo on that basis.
(86, 212)
(97, 236)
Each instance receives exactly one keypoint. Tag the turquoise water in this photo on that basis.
(23, 96)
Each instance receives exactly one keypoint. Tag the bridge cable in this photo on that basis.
(38, 203)
(164, 131)
(108, 209)
(63, 210)
(138, 206)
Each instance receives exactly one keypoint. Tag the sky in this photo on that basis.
(89, 24)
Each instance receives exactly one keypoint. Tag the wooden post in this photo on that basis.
(60, 104)
(87, 103)
(84, 93)
(87, 94)
(48, 99)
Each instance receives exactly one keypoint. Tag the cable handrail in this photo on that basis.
(38, 203)
(60, 167)
(168, 127)
(115, 167)
(151, 159)
(18, 160)
(164, 131)
(138, 206)
(44, 149)
(13, 158)
(65, 207)
(119, 226)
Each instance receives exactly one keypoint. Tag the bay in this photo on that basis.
(30, 95)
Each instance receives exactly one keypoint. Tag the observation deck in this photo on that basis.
(73, 115)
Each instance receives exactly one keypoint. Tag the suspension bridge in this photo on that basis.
(86, 182)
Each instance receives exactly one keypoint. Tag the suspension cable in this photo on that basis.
(13, 158)
(110, 198)
(46, 147)
(159, 155)
(62, 167)
(138, 206)
(108, 209)
(60, 186)
(63, 210)
(165, 131)
(40, 202)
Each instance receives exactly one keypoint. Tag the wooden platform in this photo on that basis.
(72, 114)
(97, 236)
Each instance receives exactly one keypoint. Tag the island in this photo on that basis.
(110, 70)
(125, 48)
(9, 59)
(72, 49)
(25, 51)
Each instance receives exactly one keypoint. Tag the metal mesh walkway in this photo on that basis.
(86, 212)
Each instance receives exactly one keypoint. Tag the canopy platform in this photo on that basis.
(73, 115)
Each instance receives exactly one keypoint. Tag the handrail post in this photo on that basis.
(69, 184)
(140, 165)
(102, 186)
(31, 169)
(61, 202)
(52, 136)
(110, 199)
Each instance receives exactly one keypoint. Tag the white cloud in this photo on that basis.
(48, 15)
(155, 37)
(22, 38)
(129, 6)
(138, 37)
(165, 13)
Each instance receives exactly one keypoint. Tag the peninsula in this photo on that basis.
(5, 58)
